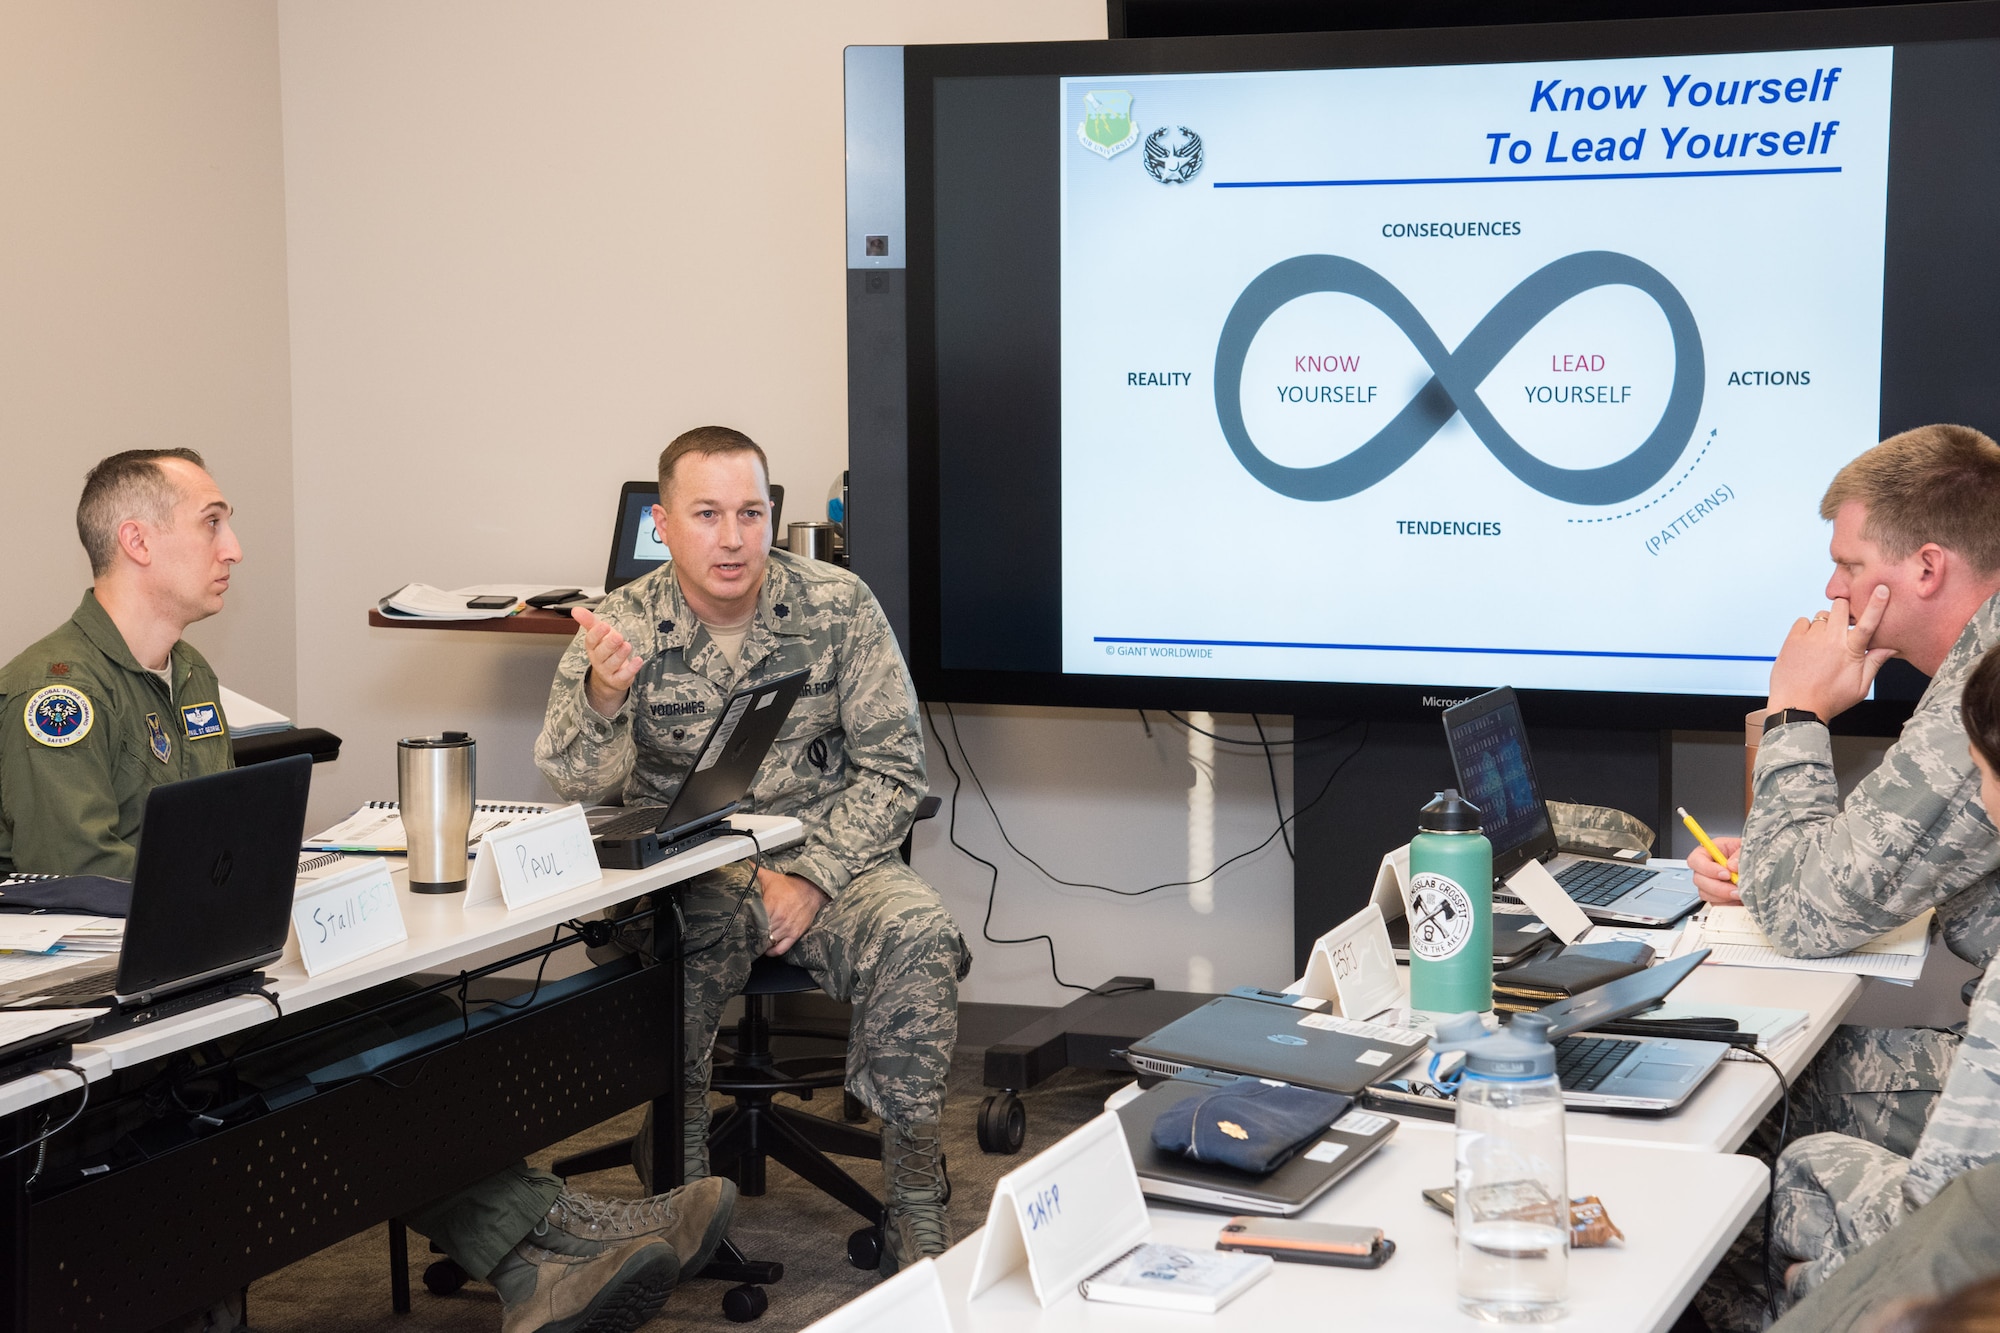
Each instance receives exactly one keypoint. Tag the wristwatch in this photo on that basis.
(1788, 715)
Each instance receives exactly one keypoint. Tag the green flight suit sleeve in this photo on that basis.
(62, 802)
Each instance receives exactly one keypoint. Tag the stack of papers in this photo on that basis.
(247, 717)
(59, 932)
(377, 827)
(1737, 941)
(421, 601)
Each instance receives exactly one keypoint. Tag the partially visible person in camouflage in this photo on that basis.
(1916, 551)
(632, 701)
(1837, 1193)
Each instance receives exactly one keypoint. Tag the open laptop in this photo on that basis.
(211, 895)
(730, 756)
(1489, 752)
(1232, 1035)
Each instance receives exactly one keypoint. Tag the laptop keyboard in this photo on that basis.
(1584, 1062)
(1595, 883)
(639, 820)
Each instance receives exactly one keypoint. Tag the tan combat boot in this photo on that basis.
(692, 1219)
(615, 1290)
(913, 1167)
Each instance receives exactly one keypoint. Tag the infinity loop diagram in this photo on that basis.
(1453, 388)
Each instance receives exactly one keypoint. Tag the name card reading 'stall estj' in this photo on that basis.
(527, 862)
(346, 916)
(1066, 1213)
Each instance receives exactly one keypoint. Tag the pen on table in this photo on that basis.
(1707, 843)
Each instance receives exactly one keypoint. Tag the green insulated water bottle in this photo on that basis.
(1451, 909)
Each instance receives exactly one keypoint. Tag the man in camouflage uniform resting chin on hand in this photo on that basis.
(1916, 552)
(632, 701)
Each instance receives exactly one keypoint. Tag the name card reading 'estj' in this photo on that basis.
(1066, 1213)
(347, 916)
(1354, 965)
(525, 863)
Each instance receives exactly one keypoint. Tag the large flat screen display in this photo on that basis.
(1353, 374)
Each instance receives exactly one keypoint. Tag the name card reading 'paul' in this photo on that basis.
(527, 862)
(1066, 1213)
(347, 916)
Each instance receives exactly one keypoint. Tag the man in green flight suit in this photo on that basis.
(115, 703)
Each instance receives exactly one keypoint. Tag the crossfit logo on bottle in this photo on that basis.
(1441, 917)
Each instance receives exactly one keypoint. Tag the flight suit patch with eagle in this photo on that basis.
(58, 715)
(201, 720)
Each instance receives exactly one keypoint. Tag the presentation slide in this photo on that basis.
(1465, 375)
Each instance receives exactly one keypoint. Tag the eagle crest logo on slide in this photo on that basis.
(1107, 128)
(58, 715)
(1173, 163)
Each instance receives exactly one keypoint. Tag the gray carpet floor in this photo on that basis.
(345, 1287)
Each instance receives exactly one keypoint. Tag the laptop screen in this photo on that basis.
(1489, 751)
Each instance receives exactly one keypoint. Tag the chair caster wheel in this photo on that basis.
(851, 1109)
(864, 1249)
(444, 1277)
(742, 1304)
(1003, 1123)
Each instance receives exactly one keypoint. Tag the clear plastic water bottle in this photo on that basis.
(1512, 1178)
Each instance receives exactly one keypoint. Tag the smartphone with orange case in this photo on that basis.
(1293, 1242)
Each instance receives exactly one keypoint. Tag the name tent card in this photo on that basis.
(347, 916)
(525, 863)
(1354, 966)
(1535, 886)
(1067, 1213)
(913, 1301)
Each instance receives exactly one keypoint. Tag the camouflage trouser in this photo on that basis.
(885, 944)
(1875, 1084)
(1834, 1195)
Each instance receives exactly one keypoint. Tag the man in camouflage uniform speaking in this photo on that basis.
(632, 701)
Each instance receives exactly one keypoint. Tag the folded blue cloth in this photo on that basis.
(1250, 1126)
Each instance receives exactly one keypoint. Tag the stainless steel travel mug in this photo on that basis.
(812, 540)
(435, 786)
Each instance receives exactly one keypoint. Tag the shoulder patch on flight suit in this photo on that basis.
(157, 737)
(201, 720)
(58, 715)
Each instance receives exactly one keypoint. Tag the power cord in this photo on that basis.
(1284, 822)
(1772, 1284)
(1277, 801)
(41, 1140)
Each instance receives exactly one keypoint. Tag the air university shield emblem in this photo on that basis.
(1107, 128)
(58, 716)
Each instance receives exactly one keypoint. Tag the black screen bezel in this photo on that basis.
(1902, 25)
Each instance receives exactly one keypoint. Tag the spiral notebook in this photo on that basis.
(377, 827)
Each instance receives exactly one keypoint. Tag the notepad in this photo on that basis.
(377, 827)
(1171, 1277)
(1735, 940)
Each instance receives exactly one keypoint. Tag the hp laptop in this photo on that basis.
(1646, 1074)
(211, 896)
(730, 756)
(1628, 1073)
(1285, 1192)
(1489, 751)
(1231, 1035)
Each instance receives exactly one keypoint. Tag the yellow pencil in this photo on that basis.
(1707, 843)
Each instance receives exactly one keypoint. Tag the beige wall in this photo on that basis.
(142, 294)
(529, 243)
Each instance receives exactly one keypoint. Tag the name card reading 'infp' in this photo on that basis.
(1067, 1213)
(347, 916)
(527, 862)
